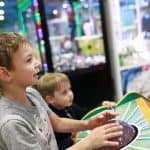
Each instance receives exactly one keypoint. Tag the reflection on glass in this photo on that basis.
(31, 30)
(135, 32)
(30, 27)
(75, 33)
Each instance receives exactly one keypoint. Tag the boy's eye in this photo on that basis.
(29, 59)
(64, 92)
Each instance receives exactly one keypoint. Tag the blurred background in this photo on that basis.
(71, 36)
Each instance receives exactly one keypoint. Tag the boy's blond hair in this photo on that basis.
(50, 82)
(10, 43)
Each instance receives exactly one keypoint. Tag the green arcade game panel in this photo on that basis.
(134, 116)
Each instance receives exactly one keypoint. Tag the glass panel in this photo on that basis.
(135, 42)
(75, 30)
(30, 27)
(135, 32)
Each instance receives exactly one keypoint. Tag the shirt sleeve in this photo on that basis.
(18, 136)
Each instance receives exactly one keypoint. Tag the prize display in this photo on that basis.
(134, 33)
(134, 45)
(134, 116)
(75, 34)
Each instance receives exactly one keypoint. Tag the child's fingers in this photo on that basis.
(109, 114)
(108, 103)
(115, 128)
(111, 143)
(115, 134)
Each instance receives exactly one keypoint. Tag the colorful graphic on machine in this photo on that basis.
(134, 116)
(93, 45)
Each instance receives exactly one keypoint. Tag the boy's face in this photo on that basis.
(63, 97)
(26, 67)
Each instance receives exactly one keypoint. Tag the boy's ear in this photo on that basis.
(49, 99)
(4, 74)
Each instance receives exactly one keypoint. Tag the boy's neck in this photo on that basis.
(18, 97)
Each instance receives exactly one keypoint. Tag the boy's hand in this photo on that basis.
(109, 104)
(102, 136)
(101, 118)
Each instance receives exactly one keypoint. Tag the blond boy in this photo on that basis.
(56, 90)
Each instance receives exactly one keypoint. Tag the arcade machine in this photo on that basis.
(134, 116)
(78, 47)
(31, 27)
(134, 42)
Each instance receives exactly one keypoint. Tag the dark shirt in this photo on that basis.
(64, 140)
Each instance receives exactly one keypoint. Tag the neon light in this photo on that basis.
(40, 33)
(35, 3)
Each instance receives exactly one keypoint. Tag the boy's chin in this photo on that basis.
(34, 83)
(69, 105)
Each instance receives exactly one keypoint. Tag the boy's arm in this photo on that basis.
(100, 137)
(84, 144)
(70, 125)
(66, 124)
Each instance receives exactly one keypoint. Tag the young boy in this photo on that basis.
(55, 88)
(26, 122)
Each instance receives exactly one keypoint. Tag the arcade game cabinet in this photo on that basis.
(73, 36)
(134, 116)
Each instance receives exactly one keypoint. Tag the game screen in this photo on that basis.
(75, 33)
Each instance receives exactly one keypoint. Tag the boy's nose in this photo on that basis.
(71, 95)
(38, 65)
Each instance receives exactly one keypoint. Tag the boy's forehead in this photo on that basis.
(22, 52)
(25, 48)
(24, 45)
(63, 84)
